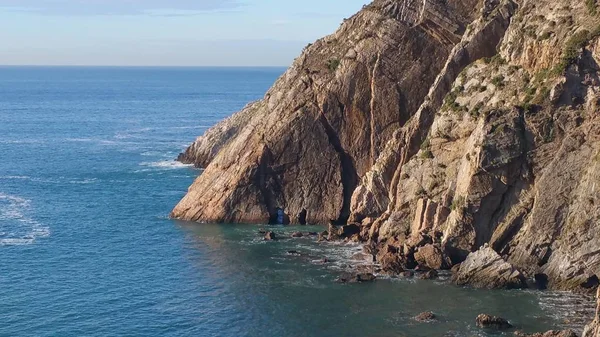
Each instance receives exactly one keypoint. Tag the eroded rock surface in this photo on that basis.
(486, 269)
(430, 125)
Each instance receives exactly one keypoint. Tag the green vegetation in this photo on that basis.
(427, 154)
(495, 60)
(476, 112)
(542, 96)
(498, 81)
(458, 203)
(450, 100)
(333, 64)
(573, 48)
(592, 6)
(545, 36)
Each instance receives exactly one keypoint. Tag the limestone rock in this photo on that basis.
(486, 269)
(320, 128)
(432, 256)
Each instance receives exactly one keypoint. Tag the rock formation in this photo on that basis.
(436, 127)
(593, 329)
(486, 269)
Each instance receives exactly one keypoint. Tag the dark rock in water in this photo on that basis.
(565, 333)
(323, 236)
(486, 269)
(357, 278)
(350, 230)
(430, 275)
(492, 322)
(408, 273)
(294, 253)
(270, 236)
(262, 231)
(425, 317)
(297, 235)
(312, 234)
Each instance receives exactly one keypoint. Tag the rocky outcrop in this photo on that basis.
(306, 145)
(593, 329)
(493, 322)
(433, 128)
(486, 269)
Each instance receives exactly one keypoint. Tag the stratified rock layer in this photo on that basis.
(304, 147)
(441, 124)
(486, 269)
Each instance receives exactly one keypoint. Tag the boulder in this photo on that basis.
(430, 275)
(297, 235)
(432, 256)
(425, 317)
(322, 236)
(390, 260)
(486, 269)
(270, 236)
(357, 278)
(492, 322)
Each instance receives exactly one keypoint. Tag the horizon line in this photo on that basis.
(136, 66)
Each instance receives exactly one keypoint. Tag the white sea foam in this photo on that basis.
(16, 226)
(15, 177)
(166, 165)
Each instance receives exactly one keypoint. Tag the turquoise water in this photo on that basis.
(86, 247)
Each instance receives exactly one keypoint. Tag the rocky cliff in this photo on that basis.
(447, 124)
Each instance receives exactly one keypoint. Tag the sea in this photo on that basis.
(87, 181)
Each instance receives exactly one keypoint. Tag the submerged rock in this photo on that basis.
(429, 275)
(425, 317)
(297, 235)
(486, 269)
(493, 322)
(270, 236)
(357, 278)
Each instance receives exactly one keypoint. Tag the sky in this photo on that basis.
(165, 32)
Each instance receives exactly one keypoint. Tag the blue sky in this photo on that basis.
(165, 32)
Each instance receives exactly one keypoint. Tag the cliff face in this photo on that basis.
(466, 122)
(321, 127)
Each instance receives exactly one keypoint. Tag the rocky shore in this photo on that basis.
(458, 135)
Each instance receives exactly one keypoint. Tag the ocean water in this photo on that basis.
(87, 180)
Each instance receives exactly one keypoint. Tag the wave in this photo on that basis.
(166, 165)
(16, 226)
(20, 141)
